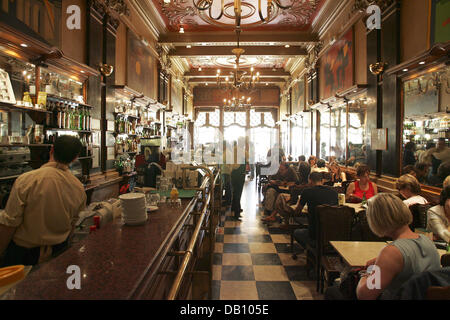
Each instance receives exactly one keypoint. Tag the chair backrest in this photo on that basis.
(419, 213)
(334, 224)
(445, 260)
(361, 230)
(345, 184)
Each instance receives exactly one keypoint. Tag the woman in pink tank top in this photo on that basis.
(356, 190)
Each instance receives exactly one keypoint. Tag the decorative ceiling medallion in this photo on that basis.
(244, 62)
(183, 13)
(249, 19)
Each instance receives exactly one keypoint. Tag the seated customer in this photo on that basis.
(312, 161)
(303, 171)
(286, 176)
(317, 195)
(356, 190)
(337, 175)
(438, 217)
(409, 253)
(320, 166)
(409, 188)
(43, 208)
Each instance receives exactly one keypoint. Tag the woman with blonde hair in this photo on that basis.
(409, 188)
(337, 175)
(312, 161)
(409, 253)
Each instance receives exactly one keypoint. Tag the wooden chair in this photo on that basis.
(445, 260)
(419, 213)
(438, 293)
(361, 230)
(334, 224)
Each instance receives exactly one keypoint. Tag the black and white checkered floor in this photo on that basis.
(253, 261)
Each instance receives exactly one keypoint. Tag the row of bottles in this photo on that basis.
(148, 132)
(67, 115)
(87, 145)
(85, 139)
(124, 125)
(126, 145)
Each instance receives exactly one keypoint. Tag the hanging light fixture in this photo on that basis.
(238, 79)
(237, 103)
(203, 5)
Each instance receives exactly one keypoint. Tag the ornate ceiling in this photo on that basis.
(276, 48)
(244, 62)
(182, 13)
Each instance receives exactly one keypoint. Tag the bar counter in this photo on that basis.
(116, 261)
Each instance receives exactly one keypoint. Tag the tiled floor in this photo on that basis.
(253, 261)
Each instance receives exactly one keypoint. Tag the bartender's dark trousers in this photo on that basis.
(237, 182)
(17, 255)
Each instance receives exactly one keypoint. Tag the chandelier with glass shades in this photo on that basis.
(237, 103)
(238, 79)
(203, 5)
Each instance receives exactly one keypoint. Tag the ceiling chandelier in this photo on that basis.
(237, 103)
(238, 79)
(203, 5)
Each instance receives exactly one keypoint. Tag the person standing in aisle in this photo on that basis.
(237, 182)
(42, 209)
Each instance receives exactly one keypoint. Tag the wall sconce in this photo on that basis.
(377, 68)
(106, 69)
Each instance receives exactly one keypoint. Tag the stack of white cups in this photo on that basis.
(133, 207)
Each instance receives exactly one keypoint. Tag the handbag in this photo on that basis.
(349, 283)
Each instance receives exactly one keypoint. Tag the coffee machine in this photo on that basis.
(151, 149)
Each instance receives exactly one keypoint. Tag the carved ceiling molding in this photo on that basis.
(300, 13)
(177, 12)
(163, 57)
(183, 13)
(361, 5)
(313, 57)
(113, 7)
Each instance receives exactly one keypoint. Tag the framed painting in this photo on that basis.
(140, 65)
(336, 66)
(440, 21)
(298, 96)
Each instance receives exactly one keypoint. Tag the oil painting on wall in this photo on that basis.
(440, 21)
(336, 70)
(298, 96)
(139, 66)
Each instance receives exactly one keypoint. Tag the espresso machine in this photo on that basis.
(150, 169)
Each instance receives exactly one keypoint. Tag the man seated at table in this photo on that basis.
(42, 208)
(314, 196)
(285, 177)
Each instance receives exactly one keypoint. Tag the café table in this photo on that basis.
(357, 253)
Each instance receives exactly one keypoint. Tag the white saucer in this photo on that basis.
(152, 208)
(135, 223)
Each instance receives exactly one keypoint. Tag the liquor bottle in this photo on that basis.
(80, 119)
(66, 117)
(49, 114)
(89, 119)
(85, 120)
(83, 152)
(55, 114)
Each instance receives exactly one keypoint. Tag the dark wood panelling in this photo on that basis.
(391, 113)
(213, 97)
(373, 56)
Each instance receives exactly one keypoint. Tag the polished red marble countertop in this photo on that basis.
(113, 260)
